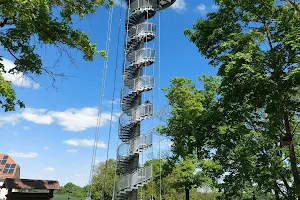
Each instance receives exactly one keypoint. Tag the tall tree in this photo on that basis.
(72, 190)
(103, 180)
(50, 22)
(184, 176)
(243, 155)
(180, 180)
(256, 44)
(188, 105)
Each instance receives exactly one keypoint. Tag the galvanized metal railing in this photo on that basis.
(134, 146)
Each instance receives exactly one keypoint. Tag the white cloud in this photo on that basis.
(26, 128)
(46, 148)
(80, 119)
(18, 79)
(83, 143)
(179, 5)
(38, 116)
(52, 169)
(215, 7)
(72, 151)
(12, 119)
(201, 8)
(71, 120)
(23, 155)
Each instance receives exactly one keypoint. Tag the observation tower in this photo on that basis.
(135, 106)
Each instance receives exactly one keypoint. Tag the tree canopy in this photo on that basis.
(244, 124)
(73, 190)
(179, 180)
(23, 24)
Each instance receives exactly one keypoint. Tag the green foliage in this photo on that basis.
(8, 100)
(103, 181)
(173, 182)
(49, 22)
(246, 154)
(65, 197)
(251, 113)
(72, 190)
(183, 175)
(176, 178)
(186, 102)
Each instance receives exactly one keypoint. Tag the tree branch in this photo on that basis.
(294, 129)
(294, 4)
(280, 190)
(4, 22)
(9, 50)
(285, 183)
(50, 73)
(3, 2)
(268, 36)
(53, 76)
(281, 131)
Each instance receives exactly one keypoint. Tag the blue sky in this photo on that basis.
(52, 138)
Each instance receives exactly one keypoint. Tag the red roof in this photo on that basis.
(8, 167)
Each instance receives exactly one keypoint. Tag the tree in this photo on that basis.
(256, 44)
(103, 180)
(69, 188)
(180, 179)
(188, 104)
(73, 190)
(191, 122)
(243, 156)
(184, 175)
(48, 22)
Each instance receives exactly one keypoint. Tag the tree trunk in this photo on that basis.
(292, 156)
(276, 194)
(187, 194)
(286, 184)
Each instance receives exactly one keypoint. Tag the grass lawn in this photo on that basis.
(64, 197)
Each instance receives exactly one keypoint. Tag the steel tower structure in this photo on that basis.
(135, 109)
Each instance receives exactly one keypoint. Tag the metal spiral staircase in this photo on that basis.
(137, 57)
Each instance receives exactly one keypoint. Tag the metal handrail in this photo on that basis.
(136, 114)
(134, 146)
(124, 182)
(142, 5)
(137, 84)
(141, 54)
(135, 179)
(143, 28)
(125, 119)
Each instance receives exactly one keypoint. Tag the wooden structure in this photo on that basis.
(29, 184)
